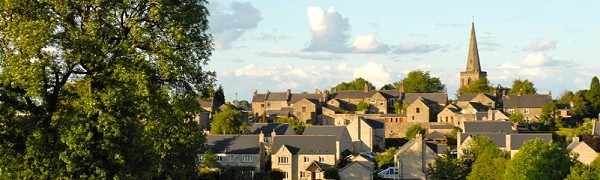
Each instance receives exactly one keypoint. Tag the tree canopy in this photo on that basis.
(101, 90)
(414, 130)
(539, 160)
(593, 97)
(228, 121)
(522, 86)
(418, 81)
(356, 84)
(481, 85)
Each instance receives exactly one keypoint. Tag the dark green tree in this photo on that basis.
(522, 86)
(593, 97)
(385, 159)
(356, 84)
(481, 85)
(447, 167)
(539, 160)
(362, 106)
(85, 84)
(219, 97)
(490, 162)
(581, 106)
(388, 87)
(228, 121)
(580, 171)
(414, 130)
(418, 81)
(517, 118)
(549, 114)
(397, 107)
(296, 125)
(565, 98)
(331, 173)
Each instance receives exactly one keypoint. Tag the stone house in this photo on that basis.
(268, 130)
(343, 140)
(271, 101)
(359, 169)
(486, 99)
(243, 152)
(303, 156)
(422, 110)
(412, 158)
(564, 110)
(585, 154)
(307, 110)
(367, 134)
(530, 105)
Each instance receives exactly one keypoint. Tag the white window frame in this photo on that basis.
(230, 158)
(247, 158)
(219, 158)
(201, 157)
(511, 111)
(286, 175)
(526, 110)
(321, 159)
(283, 160)
(382, 102)
(306, 159)
(373, 101)
(302, 174)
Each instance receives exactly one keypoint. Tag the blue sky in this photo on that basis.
(308, 45)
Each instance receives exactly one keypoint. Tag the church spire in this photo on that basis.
(473, 58)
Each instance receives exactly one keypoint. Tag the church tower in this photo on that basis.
(473, 71)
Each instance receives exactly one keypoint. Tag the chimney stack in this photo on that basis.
(261, 137)
(317, 91)
(402, 88)
(366, 89)
(255, 91)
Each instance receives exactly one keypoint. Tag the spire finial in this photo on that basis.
(473, 19)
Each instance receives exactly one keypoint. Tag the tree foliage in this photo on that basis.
(565, 98)
(385, 159)
(580, 171)
(593, 97)
(549, 114)
(490, 162)
(228, 121)
(331, 173)
(593, 141)
(447, 167)
(418, 81)
(522, 86)
(539, 160)
(481, 85)
(414, 130)
(96, 89)
(517, 117)
(298, 126)
(362, 106)
(356, 84)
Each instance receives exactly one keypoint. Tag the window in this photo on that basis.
(230, 158)
(372, 101)
(446, 118)
(321, 159)
(262, 105)
(452, 118)
(526, 110)
(268, 104)
(286, 175)
(219, 158)
(247, 158)
(306, 159)
(413, 117)
(418, 110)
(381, 102)
(283, 160)
(303, 108)
(201, 157)
(302, 174)
(511, 111)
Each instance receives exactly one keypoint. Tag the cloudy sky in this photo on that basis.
(305, 45)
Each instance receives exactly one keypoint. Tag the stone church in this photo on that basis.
(473, 71)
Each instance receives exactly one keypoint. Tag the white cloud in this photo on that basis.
(318, 55)
(415, 48)
(329, 30)
(374, 73)
(539, 59)
(228, 27)
(252, 71)
(368, 44)
(540, 45)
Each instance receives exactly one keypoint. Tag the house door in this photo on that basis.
(313, 175)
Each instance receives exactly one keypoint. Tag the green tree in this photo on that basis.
(480, 85)
(581, 105)
(549, 113)
(296, 125)
(490, 162)
(388, 87)
(580, 171)
(219, 97)
(86, 83)
(522, 86)
(418, 81)
(397, 107)
(385, 159)
(539, 160)
(356, 84)
(362, 106)
(414, 130)
(243, 104)
(565, 98)
(517, 118)
(593, 97)
(447, 167)
(227, 121)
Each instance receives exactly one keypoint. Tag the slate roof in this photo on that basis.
(434, 136)
(526, 100)
(517, 140)
(441, 127)
(470, 96)
(337, 131)
(233, 144)
(437, 148)
(270, 96)
(267, 128)
(563, 106)
(299, 96)
(280, 112)
(498, 138)
(259, 97)
(375, 124)
(306, 144)
(354, 94)
(439, 98)
(487, 126)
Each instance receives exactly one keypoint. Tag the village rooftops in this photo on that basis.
(306, 144)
